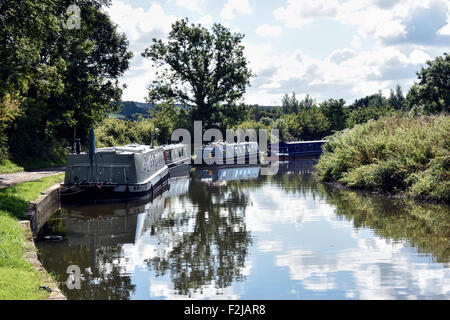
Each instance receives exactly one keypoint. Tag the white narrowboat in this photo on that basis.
(128, 171)
(228, 154)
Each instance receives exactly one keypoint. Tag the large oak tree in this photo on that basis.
(199, 68)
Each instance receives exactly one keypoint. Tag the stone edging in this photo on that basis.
(40, 210)
(31, 256)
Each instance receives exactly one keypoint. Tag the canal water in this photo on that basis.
(236, 234)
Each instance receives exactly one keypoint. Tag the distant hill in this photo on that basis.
(131, 110)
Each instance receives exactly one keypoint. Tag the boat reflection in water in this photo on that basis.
(94, 237)
(220, 176)
(297, 166)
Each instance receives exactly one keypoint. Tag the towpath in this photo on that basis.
(10, 179)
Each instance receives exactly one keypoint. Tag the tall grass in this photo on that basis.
(396, 154)
(7, 166)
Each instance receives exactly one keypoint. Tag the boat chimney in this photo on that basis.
(77, 146)
(91, 146)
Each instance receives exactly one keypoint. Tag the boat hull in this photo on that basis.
(111, 192)
(247, 160)
(179, 169)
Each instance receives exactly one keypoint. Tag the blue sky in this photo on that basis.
(324, 48)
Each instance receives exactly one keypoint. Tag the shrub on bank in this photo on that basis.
(395, 154)
(115, 132)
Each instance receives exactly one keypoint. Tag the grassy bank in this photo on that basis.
(7, 166)
(18, 278)
(403, 155)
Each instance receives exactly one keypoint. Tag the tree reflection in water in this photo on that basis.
(214, 251)
(425, 226)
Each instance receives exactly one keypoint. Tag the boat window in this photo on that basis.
(297, 148)
(311, 147)
(304, 147)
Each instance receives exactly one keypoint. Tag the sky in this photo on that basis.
(324, 48)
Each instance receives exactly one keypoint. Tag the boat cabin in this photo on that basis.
(297, 149)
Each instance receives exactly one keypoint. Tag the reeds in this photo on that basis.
(396, 154)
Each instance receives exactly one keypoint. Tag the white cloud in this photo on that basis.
(418, 56)
(140, 27)
(206, 21)
(191, 5)
(138, 23)
(345, 73)
(391, 40)
(233, 8)
(298, 13)
(266, 30)
(389, 21)
(339, 56)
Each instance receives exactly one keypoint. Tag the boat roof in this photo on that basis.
(172, 146)
(129, 148)
(310, 141)
(223, 143)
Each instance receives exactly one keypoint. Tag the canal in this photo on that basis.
(236, 234)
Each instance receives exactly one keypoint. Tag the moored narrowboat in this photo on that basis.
(129, 171)
(178, 159)
(297, 149)
(222, 153)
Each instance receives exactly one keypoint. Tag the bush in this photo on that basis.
(116, 132)
(401, 154)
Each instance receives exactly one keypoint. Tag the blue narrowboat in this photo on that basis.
(297, 149)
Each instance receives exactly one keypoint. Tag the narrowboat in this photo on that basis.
(297, 149)
(222, 153)
(129, 171)
(178, 159)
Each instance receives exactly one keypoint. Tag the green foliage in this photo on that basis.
(334, 111)
(163, 120)
(290, 105)
(7, 166)
(400, 154)
(24, 25)
(375, 100)
(308, 124)
(116, 132)
(364, 114)
(199, 67)
(64, 78)
(432, 92)
(256, 112)
(396, 99)
(9, 111)
(251, 124)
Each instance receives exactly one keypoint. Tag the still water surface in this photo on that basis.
(235, 234)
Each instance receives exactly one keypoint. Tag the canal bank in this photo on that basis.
(402, 155)
(21, 275)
